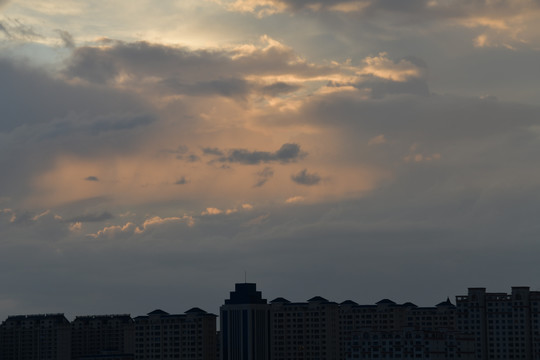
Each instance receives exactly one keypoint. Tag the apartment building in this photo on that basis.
(109, 336)
(304, 330)
(408, 344)
(31, 337)
(160, 335)
(504, 326)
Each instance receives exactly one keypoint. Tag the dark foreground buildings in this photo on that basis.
(481, 325)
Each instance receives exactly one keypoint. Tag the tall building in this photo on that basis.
(160, 335)
(504, 326)
(31, 337)
(244, 325)
(100, 335)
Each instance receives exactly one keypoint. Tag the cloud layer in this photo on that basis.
(398, 139)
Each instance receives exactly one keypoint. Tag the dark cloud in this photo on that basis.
(53, 99)
(4, 30)
(279, 88)
(193, 158)
(212, 151)
(95, 126)
(435, 119)
(15, 29)
(379, 88)
(67, 39)
(305, 178)
(182, 181)
(195, 72)
(235, 88)
(97, 217)
(43, 116)
(179, 151)
(287, 153)
(263, 176)
(92, 178)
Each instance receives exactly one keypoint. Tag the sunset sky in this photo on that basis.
(153, 152)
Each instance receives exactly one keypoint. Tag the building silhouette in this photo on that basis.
(504, 326)
(244, 328)
(102, 336)
(480, 326)
(305, 330)
(160, 335)
(319, 329)
(32, 337)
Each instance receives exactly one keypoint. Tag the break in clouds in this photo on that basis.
(323, 156)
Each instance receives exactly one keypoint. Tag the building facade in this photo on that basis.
(244, 323)
(102, 335)
(504, 326)
(307, 330)
(31, 337)
(160, 335)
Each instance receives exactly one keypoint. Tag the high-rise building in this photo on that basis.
(244, 325)
(31, 337)
(160, 335)
(100, 335)
(504, 326)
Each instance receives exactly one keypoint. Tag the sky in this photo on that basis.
(153, 154)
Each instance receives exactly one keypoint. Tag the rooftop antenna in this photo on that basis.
(245, 277)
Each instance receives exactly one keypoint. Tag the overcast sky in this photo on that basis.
(153, 152)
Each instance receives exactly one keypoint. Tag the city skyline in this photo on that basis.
(154, 153)
(480, 325)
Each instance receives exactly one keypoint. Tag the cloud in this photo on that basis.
(97, 217)
(294, 199)
(16, 30)
(279, 88)
(269, 7)
(115, 230)
(212, 151)
(158, 221)
(130, 229)
(384, 68)
(92, 178)
(38, 216)
(305, 178)
(263, 176)
(253, 69)
(69, 106)
(4, 30)
(287, 153)
(508, 24)
(182, 181)
(377, 140)
(211, 211)
(75, 227)
(67, 39)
